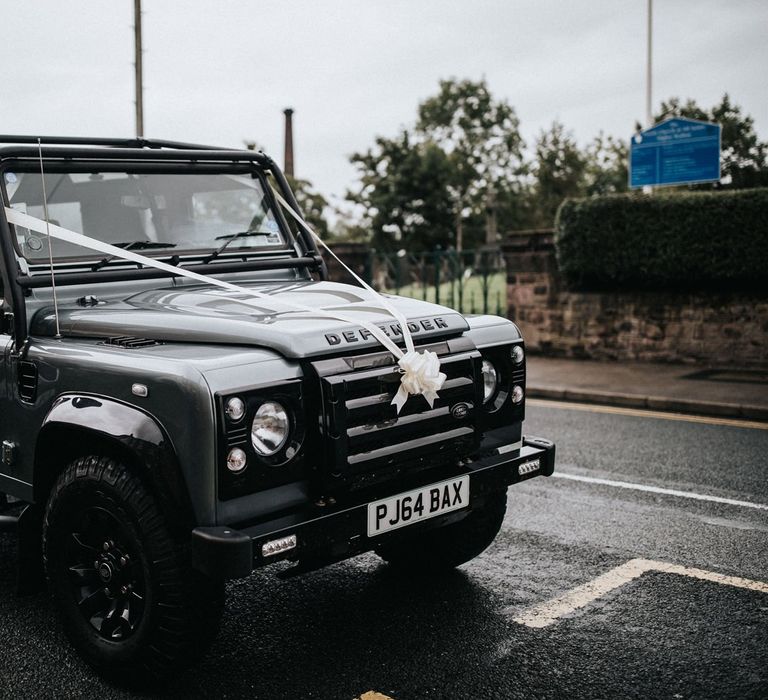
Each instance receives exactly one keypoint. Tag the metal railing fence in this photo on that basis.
(470, 281)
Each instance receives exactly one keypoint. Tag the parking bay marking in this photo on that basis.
(553, 610)
(646, 413)
(658, 489)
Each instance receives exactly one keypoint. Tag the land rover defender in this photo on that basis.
(161, 435)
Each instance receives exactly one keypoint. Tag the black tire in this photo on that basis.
(447, 547)
(129, 600)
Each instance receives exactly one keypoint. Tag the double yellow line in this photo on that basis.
(644, 413)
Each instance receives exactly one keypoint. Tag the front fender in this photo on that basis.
(118, 420)
(83, 424)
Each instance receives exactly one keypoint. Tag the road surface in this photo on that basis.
(641, 570)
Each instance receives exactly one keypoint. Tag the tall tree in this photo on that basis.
(434, 185)
(744, 156)
(403, 193)
(559, 171)
(481, 139)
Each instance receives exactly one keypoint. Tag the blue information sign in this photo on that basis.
(675, 152)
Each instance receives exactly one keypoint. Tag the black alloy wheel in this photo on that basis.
(106, 574)
(129, 599)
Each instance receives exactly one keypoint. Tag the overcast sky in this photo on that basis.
(222, 72)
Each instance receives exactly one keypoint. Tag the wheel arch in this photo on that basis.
(79, 425)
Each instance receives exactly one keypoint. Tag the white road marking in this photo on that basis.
(647, 413)
(659, 490)
(551, 611)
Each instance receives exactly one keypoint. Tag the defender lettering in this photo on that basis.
(393, 329)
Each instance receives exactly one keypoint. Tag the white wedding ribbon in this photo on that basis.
(420, 371)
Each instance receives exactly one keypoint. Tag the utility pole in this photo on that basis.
(138, 67)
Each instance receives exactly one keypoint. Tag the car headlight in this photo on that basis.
(518, 354)
(490, 380)
(270, 428)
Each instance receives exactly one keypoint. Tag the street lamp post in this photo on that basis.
(649, 80)
(648, 69)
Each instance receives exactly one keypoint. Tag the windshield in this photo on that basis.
(158, 213)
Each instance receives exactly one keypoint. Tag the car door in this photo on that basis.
(6, 371)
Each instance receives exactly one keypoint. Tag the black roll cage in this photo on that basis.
(149, 154)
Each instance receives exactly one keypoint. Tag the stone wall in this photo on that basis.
(727, 330)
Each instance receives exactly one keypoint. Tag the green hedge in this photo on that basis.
(715, 241)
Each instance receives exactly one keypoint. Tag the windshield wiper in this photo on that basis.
(234, 236)
(132, 245)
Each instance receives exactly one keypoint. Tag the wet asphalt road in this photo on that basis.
(356, 627)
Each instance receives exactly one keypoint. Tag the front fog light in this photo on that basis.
(269, 549)
(490, 380)
(517, 394)
(270, 428)
(236, 460)
(235, 408)
(518, 354)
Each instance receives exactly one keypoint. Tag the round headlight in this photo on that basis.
(490, 381)
(235, 408)
(517, 394)
(518, 354)
(270, 428)
(236, 460)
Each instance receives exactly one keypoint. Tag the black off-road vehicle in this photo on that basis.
(160, 435)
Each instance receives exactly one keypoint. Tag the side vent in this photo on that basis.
(27, 381)
(129, 341)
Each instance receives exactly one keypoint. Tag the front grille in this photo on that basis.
(367, 442)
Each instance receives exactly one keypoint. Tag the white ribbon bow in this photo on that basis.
(421, 375)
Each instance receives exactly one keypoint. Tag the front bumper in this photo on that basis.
(328, 534)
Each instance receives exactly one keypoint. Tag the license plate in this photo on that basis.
(417, 505)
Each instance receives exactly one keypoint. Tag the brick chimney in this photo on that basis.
(288, 163)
